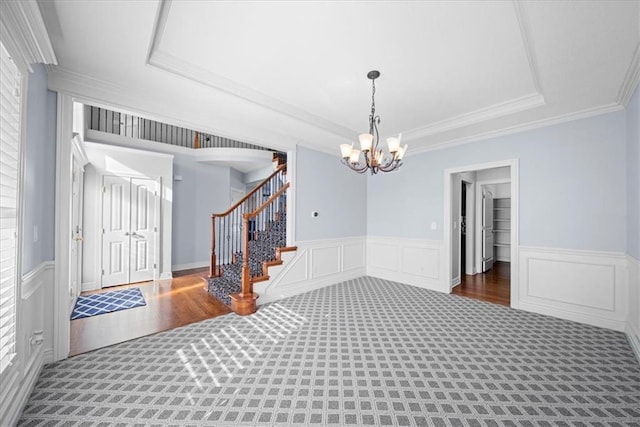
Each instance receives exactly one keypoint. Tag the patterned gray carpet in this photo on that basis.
(363, 352)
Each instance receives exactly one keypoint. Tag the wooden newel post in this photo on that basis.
(244, 302)
(212, 266)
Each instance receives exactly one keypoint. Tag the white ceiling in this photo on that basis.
(281, 73)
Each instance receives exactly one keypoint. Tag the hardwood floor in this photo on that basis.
(170, 304)
(493, 286)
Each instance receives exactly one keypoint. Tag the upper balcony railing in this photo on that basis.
(117, 123)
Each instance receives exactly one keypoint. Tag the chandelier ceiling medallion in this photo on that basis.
(375, 159)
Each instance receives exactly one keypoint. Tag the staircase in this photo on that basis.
(248, 239)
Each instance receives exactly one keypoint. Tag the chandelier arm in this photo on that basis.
(391, 166)
(353, 167)
(374, 157)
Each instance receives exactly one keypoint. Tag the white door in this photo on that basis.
(128, 226)
(487, 231)
(142, 230)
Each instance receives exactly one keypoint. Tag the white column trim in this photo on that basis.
(61, 322)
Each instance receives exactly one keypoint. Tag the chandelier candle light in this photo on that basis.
(374, 158)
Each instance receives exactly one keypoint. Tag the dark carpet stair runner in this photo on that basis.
(262, 248)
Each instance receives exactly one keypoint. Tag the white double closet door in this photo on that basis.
(129, 232)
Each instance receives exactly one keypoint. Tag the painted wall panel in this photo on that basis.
(39, 172)
(585, 286)
(204, 189)
(581, 283)
(315, 264)
(633, 321)
(353, 256)
(421, 261)
(325, 261)
(572, 186)
(633, 175)
(383, 256)
(417, 262)
(297, 270)
(338, 194)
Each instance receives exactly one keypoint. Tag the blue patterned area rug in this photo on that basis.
(107, 302)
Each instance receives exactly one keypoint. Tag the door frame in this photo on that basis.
(64, 135)
(79, 155)
(470, 229)
(515, 226)
(478, 190)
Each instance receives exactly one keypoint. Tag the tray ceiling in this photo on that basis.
(280, 73)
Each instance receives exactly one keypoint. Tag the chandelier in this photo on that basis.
(375, 159)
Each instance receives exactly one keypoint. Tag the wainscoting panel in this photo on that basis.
(633, 321)
(354, 256)
(584, 286)
(383, 256)
(417, 262)
(325, 261)
(421, 261)
(315, 264)
(34, 340)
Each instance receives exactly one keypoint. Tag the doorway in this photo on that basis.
(128, 230)
(481, 203)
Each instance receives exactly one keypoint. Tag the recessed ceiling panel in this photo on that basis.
(439, 60)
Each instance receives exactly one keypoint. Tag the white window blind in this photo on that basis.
(9, 175)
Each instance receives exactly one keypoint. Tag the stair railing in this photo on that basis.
(263, 216)
(226, 227)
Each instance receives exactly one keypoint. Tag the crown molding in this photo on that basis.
(533, 100)
(578, 115)
(487, 113)
(171, 64)
(527, 41)
(631, 79)
(193, 72)
(24, 34)
(77, 84)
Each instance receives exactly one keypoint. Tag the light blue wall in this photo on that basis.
(237, 179)
(204, 189)
(572, 186)
(39, 172)
(338, 194)
(633, 175)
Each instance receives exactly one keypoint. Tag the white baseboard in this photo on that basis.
(190, 265)
(314, 265)
(584, 286)
(417, 262)
(90, 286)
(166, 275)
